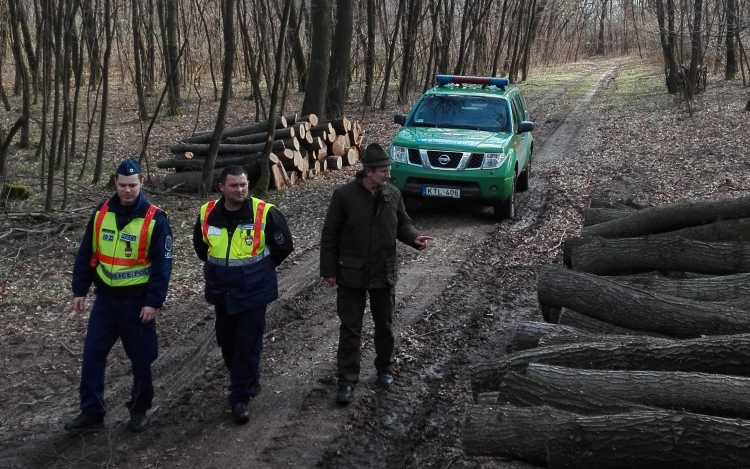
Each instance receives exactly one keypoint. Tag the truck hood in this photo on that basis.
(464, 140)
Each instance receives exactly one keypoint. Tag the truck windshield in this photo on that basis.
(462, 112)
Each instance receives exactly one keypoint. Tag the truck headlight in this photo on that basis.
(493, 160)
(400, 154)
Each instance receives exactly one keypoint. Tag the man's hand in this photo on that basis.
(78, 303)
(147, 314)
(420, 242)
(331, 281)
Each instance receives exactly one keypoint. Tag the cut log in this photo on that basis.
(291, 119)
(323, 164)
(720, 354)
(644, 439)
(319, 130)
(316, 144)
(571, 318)
(524, 391)
(304, 163)
(557, 338)
(357, 134)
(341, 125)
(339, 146)
(670, 217)
(292, 143)
(279, 182)
(606, 300)
(595, 215)
(526, 335)
(205, 137)
(292, 177)
(311, 118)
(723, 231)
(278, 134)
(300, 130)
(293, 164)
(285, 155)
(322, 153)
(725, 287)
(635, 255)
(334, 162)
(196, 164)
(224, 148)
(351, 156)
(701, 393)
(191, 181)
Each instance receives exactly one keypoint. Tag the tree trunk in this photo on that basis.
(137, 47)
(369, 54)
(227, 10)
(105, 92)
(224, 148)
(570, 318)
(192, 181)
(298, 52)
(338, 72)
(720, 288)
(14, 7)
(701, 393)
(172, 56)
(595, 215)
(315, 94)
(730, 71)
(526, 335)
(647, 254)
(257, 127)
(671, 217)
(728, 354)
(557, 338)
(645, 439)
(696, 50)
(279, 134)
(197, 164)
(525, 391)
(608, 301)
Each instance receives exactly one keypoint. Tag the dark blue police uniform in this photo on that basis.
(116, 310)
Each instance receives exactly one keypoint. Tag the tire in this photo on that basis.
(523, 179)
(507, 208)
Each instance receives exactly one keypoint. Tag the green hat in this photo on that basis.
(375, 156)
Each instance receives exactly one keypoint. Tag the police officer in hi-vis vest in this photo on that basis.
(241, 240)
(126, 252)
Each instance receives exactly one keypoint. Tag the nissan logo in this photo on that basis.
(444, 159)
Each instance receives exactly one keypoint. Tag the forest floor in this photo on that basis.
(604, 129)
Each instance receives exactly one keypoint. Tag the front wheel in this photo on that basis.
(523, 179)
(507, 208)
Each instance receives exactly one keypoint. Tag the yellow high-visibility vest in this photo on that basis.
(121, 256)
(248, 243)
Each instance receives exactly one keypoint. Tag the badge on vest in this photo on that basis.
(246, 227)
(108, 237)
(128, 251)
(214, 231)
(249, 240)
(128, 237)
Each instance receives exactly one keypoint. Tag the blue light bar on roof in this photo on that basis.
(468, 80)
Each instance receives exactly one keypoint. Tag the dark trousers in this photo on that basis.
(350, 303)
(240, 337)
(112, 318)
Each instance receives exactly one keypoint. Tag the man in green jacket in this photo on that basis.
(358, 253)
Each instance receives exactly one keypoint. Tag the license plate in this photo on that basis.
(441, 192)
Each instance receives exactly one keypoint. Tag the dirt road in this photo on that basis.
(454, 301)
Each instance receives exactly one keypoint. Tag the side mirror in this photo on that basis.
(399, 119)
(525, 126)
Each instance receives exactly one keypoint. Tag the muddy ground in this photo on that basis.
(604, 129)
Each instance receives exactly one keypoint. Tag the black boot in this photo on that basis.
(344, 395)
(385, 380)
(138, 421)
(85, 422)
(240, 413)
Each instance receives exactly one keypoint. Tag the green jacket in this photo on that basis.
(358, 243)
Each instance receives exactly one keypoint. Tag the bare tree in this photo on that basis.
(227, 14)
(338, 72)
(315, 93)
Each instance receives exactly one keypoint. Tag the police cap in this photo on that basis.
(128, 167)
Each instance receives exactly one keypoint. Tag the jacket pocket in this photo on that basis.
(351, 272)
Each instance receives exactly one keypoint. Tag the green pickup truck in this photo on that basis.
(467, 139)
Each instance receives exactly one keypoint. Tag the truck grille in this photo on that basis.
(414, 157)
(451, 162)
(475, 161)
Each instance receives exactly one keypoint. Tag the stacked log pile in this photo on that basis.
(644, 356)
(303, 148)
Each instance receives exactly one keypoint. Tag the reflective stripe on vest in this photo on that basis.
(236, 256)
(142, 241)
